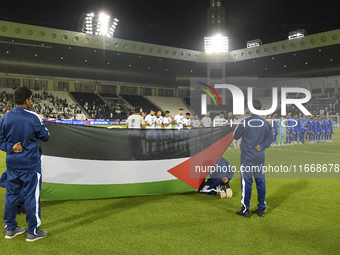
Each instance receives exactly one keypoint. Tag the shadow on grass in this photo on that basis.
(88, 217)
(282, 192)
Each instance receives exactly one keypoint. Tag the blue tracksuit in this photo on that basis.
(23, 169)
(253, 130)
(222, 169)
(3, 180)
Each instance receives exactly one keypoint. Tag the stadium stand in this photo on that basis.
(171, 104)
(146, 104)
(52, 104)
(93, 104)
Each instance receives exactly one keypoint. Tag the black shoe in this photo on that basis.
(259, 212)
(244, 214)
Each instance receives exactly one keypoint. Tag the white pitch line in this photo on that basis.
(310, 152)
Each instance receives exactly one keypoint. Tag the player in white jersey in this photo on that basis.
(179, 119)
(220, 121)
(134, 123)
(150, 122)
(187, 121)
(167, 120)
(187, 126)
(168, 133)
(158, 131)
(195, 122)
(206, 121)
(150, 119)
(178, 133)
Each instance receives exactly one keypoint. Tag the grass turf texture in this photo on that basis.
(302, 217)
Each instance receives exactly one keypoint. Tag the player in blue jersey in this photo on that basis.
(319, 129)
(20, 132)
(330, 128)
(309, 126)
(219, 179)
(275, 121)
(324, 129)
(314, 128)
(257, 136)
(289, 124)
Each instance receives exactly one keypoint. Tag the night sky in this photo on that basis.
(182, 23)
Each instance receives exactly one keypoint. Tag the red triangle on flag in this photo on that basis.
(187, 171)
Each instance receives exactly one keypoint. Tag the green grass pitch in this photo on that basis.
(302, 217)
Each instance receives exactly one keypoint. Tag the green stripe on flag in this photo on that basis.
(53, 191)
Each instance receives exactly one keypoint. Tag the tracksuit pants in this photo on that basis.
(30, 183)
(209, 187)
(248, 171)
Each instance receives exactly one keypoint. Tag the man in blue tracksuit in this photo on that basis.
(20, 132)
(256, 134)
(219, 179)
(21, 199)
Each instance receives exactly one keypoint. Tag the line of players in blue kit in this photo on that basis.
(300, 130)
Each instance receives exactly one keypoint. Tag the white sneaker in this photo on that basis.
(284, 144)
(229, 193)
(223, 194)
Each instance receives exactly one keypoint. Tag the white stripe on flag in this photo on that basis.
(101, 172)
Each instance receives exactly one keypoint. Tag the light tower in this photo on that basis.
(216, 44)
(216, 18)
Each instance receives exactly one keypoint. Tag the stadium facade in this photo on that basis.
(52, 59)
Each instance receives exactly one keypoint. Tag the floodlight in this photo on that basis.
(254, 43)
(297, 34)
(99, 24)
(216, 44)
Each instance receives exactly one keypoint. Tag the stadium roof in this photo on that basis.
(41, 51)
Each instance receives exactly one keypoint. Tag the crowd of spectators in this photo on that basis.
(97, 110)
(44, 104)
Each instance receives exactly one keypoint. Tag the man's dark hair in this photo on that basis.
(188, 113)
(222, 113)
(180, 109)
(21, 95)
(153, 110)
(137, 109)
(167, 112)
(257, 104)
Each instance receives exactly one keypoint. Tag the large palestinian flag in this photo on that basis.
(81, 162)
